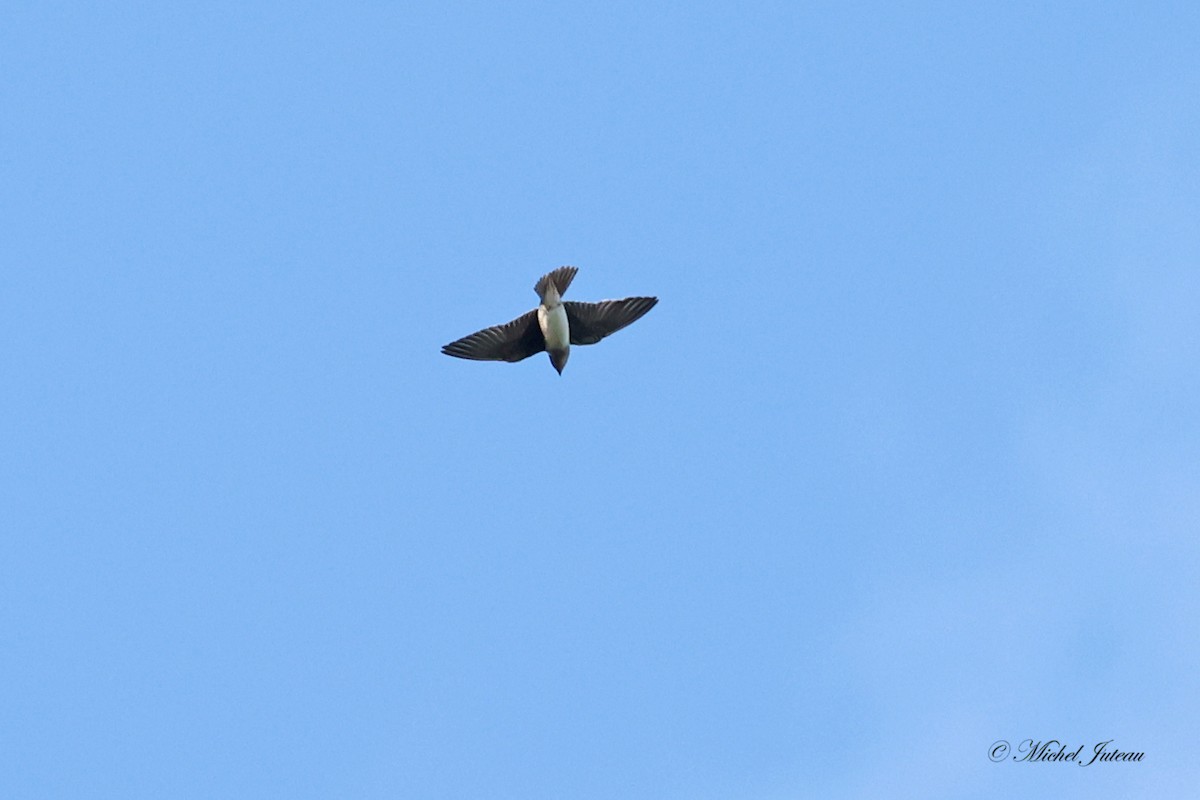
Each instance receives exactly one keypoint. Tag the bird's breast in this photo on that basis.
(554, 327)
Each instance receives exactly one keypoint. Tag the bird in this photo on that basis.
(553, 326)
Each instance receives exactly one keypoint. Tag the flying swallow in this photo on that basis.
(553, 326)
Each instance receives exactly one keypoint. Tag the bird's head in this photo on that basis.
(559, 359)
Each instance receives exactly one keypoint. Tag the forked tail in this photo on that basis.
(561, 277)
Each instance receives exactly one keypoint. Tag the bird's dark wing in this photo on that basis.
(511, 341)
(591, 322)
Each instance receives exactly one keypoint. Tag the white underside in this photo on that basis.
(554, 327)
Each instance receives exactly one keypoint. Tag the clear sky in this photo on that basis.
(905, 462)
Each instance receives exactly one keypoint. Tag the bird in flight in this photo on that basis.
(553, 326)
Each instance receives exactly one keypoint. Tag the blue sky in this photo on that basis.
(905, 462)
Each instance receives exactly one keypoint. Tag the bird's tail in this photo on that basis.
(561, 277)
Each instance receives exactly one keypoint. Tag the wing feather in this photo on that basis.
(512, 341)
(591, 322)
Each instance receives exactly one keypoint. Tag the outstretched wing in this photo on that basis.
(511, 341)
(591, 322)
